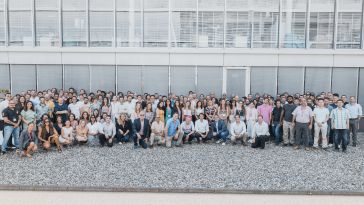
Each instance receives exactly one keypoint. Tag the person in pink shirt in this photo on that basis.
(266, 111)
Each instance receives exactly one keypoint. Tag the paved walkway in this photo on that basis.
(91, 198)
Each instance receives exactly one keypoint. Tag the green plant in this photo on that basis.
(3, 90)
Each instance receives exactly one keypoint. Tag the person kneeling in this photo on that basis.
(238, 131)
(172, 130)
(108, 133)
(187, 131)
(82, 132)
(220, 131)
(27, 141)
(48, 135)
(141, 126)
(157, 134)
(260, 133)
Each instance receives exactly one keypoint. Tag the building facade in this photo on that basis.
(225, 46)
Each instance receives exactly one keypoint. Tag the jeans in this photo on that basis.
(223, 135)
(277, 132)
(122, 138)
(302, 135)
(341, 137)
(8, 131)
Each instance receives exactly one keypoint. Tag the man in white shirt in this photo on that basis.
(187, 130)
(260, 133)
(74, 107)
(108, 133)
(238, 131)
(321, 115)
(157, 134)
(201, 128)
(356, 112)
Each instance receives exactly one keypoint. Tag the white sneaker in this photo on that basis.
(120, 143)
(223, 144)
(331, 145)
(218, 141)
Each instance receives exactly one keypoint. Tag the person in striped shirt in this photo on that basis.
(340, 124)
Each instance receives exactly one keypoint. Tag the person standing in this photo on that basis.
(340, 124)
(251, 118)
(356, 112)
(266, 111)
(260, 133)
(321, 115)
(28, 114)
(286, 121)
(12, 119)
(276, 121)
(302, 120)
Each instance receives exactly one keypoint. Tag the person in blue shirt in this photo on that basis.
(172, 130)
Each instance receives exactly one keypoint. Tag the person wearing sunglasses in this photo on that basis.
(48, 136)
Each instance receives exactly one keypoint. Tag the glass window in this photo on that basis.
(4, 77)
(321, 33)
(129, 29)
(49, 76)
(74, 28)
(265, 24)
(184, 5)
(78, 5)
(46, 4)
(20, 28)
(155, 79)
(104, 5)
(349, 23)
(77, 77)
(130, 79)
(293, 24)
(235, 82)
(129, 5)
(238, 29)
(23, 78)
(102, 78)
(155, 29)
(263, 80)
(211, 29)
(183, 29)
(47, 28)
(212, 5)
(20, 4)
(101, 28)
(156, 4)
(209, 79)
(361, 87)
(2, 28)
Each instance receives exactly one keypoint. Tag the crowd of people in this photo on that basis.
(35, 120)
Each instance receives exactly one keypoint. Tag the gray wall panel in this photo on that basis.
(49, 76)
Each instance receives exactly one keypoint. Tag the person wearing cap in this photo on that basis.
(157, 135)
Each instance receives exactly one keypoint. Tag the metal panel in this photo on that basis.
(77, 76)
(318, 80)
(209, 79)
(345, 81)
(155, 79)
(102, 78)
(49, 76)
(263, 80)
(4, 77)
(182, 79)
(290, 79)
(361, 87)
(23, 78)
(129, 78)
(235, 82)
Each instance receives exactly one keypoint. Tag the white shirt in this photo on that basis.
(321, 114)
(115, 108)
(96, 127)
(260, 129)
(4, 104)
(75, 109)
(237, 129)
(355, 110)
(251, 114)
(187, 128)
(202, 127)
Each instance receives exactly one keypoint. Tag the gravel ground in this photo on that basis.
(206, 166)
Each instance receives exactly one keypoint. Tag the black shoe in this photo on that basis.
(135, 146)
(354, 145)
(336, 149)
(344, 150)
(3, 152)
(285, 145)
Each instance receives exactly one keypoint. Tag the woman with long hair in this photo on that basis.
(160, 111)
(82, 132)
(49, 136)
(28, 114)
(66, 137)
(168, 110)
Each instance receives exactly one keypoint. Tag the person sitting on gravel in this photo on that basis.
(82, 132)
(108, 132)
(220, 130)
(27, 141)
(260, 133)
(187, 130)
(157, 134)
(172, 129)
(238, 131)
(48, 136)
(141, 130)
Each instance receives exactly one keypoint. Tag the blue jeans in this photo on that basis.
(8, 131)
(277, 132)
(341, 137)
(223, 135)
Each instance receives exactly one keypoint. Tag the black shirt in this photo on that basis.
(288, 110)
(12, 115)
(277, 114)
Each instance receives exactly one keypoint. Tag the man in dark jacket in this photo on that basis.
(219, 130)
(141, 130)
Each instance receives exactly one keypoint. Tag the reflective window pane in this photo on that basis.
(155, 79)
(156, 4)
(205, 85)
(20, 28)
(46, 4)
(290, 79)
(2, 28)
(211, 5)
(238, 29)
(129, 29)
(183, 29)
(103, 5)
(318, 80)
(77, 77)
(293, 24)
(129, 79)
(129, 5)
(79, 5)
(321, 33)
(235, 82)
(102, 78)
(101, 28)
(49, 76)
(345, 81)
(263, 80)
(47, 28)
(183, 5)
(265, 29)
(20, 4)
(23, 78)
(211, 29)
(4, 77)
(155, 29)
(182, 79)
(74, 29)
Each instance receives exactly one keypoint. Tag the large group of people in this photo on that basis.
(34, 120)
